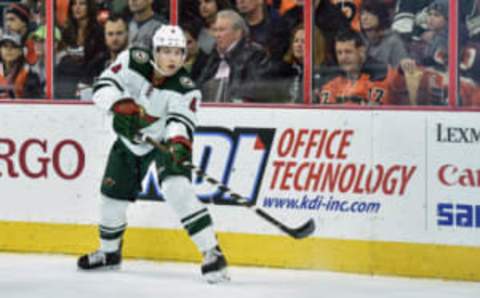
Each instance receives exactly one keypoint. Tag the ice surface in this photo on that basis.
(52, 276)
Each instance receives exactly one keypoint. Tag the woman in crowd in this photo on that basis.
(17, 80)
(288, 75)
(84, 40)
(383, 44)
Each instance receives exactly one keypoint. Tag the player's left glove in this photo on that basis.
(180, 150)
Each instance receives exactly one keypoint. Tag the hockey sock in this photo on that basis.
(113, 222)
(195, 217)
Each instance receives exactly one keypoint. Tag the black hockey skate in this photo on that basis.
(214, 266)
(100, 260)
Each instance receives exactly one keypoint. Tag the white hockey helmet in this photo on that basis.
(169, 36)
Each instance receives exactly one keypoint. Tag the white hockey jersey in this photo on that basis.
(173, 102)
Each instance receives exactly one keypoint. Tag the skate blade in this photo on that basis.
(101, 268)
(217, 277)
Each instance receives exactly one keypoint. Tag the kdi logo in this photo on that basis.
(235, 157)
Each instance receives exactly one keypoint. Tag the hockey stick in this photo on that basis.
(300, 232)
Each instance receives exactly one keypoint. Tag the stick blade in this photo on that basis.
(303, 231)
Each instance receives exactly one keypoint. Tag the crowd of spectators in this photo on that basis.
(365, 52)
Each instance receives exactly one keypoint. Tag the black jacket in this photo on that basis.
(248, 63)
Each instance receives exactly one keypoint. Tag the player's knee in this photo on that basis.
(176, 186)
(180, 194)
(113, 212)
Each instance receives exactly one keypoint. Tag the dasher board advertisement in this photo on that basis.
(407, 176)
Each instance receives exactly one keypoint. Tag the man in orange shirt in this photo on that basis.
(359, 79)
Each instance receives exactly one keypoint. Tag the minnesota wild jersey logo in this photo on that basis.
(187, 82)
(140, 56)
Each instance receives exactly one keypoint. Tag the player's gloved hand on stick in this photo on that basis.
(129, 118)
(180, 150)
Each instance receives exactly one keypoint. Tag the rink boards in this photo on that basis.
(392, 192)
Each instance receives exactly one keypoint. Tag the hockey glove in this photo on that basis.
(180, 151)
(129, 118)
(126, 125)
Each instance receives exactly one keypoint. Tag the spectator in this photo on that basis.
(408, 17)
(329, 18)
(143, 24)
(16, 78)
(116, 37)
(38, 38)
(359, 79)
(208, 10)
(470, 53)
(435, 40)
(287, 76)
(17, 20)
(383, 44)
(265, 26)
(84, 41)
(419, 84)
(427, 82)
(196, 57)
(116, 40)
(235, 62)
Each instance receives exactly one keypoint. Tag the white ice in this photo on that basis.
(52, 276)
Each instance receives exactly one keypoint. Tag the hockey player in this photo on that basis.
(151, 95)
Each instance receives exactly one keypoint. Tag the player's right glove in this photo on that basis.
(129, 118)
